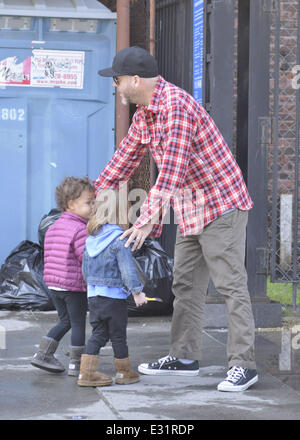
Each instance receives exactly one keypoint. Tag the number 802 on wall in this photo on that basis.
(12, 114)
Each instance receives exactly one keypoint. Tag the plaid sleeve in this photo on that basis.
(178, 133)
(125, 160)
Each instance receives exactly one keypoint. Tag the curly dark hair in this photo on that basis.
(71, 188)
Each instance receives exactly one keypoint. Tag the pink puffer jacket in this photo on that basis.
(63, 250)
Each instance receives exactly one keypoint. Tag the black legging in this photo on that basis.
(108, 318)
(71, 308)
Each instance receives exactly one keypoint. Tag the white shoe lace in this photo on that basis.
(234, 374)
(164, 360)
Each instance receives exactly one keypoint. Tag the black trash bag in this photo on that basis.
(155, 270)
(46, 221)
(21, 279)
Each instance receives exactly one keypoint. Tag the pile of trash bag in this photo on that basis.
(21, 279)
(22, 286)
(46, 221)
(155, 270)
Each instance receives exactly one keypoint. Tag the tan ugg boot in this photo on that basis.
(89, 375)
(125, 375)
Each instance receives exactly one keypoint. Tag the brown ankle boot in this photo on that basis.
(89, 375)
(125, 375)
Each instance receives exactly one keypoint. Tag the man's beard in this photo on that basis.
(128, 97)
(124, 100)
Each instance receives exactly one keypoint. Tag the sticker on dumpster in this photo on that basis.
(45, 68)
(57, 68)
(14, 74)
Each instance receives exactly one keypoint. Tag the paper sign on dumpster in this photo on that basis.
(45, 68)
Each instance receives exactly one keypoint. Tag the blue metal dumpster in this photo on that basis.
(56, 112)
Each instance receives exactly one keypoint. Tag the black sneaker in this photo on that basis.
(238, 379)
(170, 365)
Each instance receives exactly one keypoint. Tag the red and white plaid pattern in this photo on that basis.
(192, 158)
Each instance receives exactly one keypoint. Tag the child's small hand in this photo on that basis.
(140, 299)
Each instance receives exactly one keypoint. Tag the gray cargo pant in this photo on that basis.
(218, 252)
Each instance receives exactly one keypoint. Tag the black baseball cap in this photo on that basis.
(132, 61)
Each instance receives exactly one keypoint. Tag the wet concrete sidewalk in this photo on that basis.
(27, 393)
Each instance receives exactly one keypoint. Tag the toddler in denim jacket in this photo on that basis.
(109, 270)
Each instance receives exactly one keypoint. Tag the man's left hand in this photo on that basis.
(139, 235)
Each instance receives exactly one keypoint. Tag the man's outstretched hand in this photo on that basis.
(138, 235)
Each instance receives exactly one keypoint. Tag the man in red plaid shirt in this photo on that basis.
(200, 178)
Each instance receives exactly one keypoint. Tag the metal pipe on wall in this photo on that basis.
(152, 28)
(123, 41)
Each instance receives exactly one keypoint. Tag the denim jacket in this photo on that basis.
(106, 261)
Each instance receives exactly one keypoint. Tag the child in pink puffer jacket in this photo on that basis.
(63, 250)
